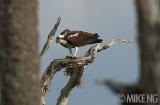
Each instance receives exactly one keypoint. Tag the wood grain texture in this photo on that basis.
(19, 59)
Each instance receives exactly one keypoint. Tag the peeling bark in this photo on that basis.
(19, 59)
(74, 68)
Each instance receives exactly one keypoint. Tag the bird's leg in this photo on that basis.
(75, 52)
(71, 53)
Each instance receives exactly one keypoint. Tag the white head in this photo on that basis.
(62, 35)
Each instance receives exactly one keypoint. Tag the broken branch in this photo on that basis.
(74, 68)
(50, 37)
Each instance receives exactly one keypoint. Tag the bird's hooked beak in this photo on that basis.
(57, 39)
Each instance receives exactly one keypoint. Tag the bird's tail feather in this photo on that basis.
(96, 41)
(95, 35)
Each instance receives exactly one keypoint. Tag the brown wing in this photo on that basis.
(80, 39)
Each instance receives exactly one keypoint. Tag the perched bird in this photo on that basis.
(74, 39)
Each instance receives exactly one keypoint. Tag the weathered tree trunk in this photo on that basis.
(149, 45)
(19, 61)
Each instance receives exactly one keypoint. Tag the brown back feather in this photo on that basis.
(83, 38)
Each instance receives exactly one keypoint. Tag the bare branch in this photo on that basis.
(57, 65)
(50, 37)
(73, 81)
(122, 88)
(99, 47)
(74, 68)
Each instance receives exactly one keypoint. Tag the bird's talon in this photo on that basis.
(68, 56)
(74, 57)
(71, 57)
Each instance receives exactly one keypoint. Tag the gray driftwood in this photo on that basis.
(74, 68)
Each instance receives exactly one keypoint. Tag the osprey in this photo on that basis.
(74, 39)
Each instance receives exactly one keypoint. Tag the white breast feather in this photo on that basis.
(61, 36)
(64, 42)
